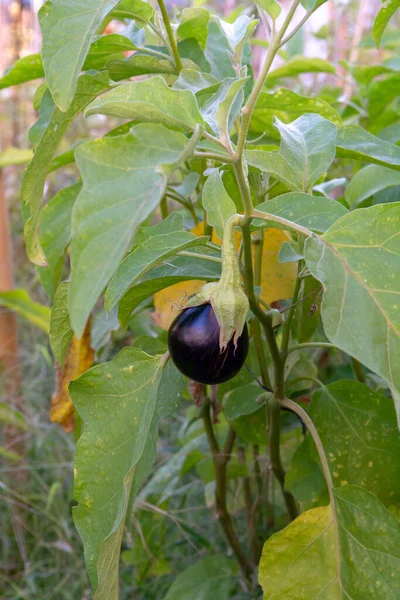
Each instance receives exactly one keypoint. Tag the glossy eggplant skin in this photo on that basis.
(193, 342)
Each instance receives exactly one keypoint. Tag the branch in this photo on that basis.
(307, 345)
(171, 37)
(220, 463)
(273, 48)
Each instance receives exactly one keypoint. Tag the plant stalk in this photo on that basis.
(221, 460)
(170, 33)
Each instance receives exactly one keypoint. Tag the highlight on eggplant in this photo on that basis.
(194, 346)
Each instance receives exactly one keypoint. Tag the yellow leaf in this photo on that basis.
(277, 279)
(78, 359)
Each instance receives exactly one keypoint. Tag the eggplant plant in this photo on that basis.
(283, 352)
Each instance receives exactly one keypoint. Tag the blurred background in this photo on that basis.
(41, 555)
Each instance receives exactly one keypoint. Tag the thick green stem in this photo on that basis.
(273, 48)
(164, 207)
(170, 33)
(221, 460)
(243, 187)
(278, 366)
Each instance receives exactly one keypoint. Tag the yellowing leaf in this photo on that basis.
(78, 359)
(277, 279)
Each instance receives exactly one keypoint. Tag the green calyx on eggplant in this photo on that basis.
(208, 341)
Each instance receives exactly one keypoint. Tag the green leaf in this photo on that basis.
(24, 69)
(211, 577)
(355, 142)
(238, 33)
(271, 6)
(139, 64)
(382, 19)
(50, 129)
(222, 108)
(304, 323)
(356, 260)
(299, 561)
(359, 434)
(122, 176)
(274, 164)
(194, 24)
(20, 302)
(368, 181)
(174, 222)
(302, 64)
(55, 234)
(182, 268)
(192, 80)
(312, 212)
(67, 32)
(312, 4)
(145, 257)
(15, 156)
(381, 93)
(134, 9)
(217, 203)
(217, 52)
(117, 402)
(105, 48)
(244, 408)
(9, 454)
(308, 146)
(288, 105)
(149, 100)
(60, 326)
(369, 538)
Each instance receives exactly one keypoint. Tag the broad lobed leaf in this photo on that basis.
(357, 262)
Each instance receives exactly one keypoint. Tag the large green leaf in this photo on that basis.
(145, 257)
(302, 64)
(210, 577)
(117, 402)
(359, 434)
(60, 326)
(357, 261)
(355, 142)
(48, 133)
(368, 181)
(182, 268)
(288, 105)
(67, 31)
(139, 10)
(24, 69)
(308, 146)
(314, 212)
(20, 302)
(382, 19)
(217, 203)
(124, 179)
(55, 234)
(194, 24)
(300, 561)
(150, 100)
